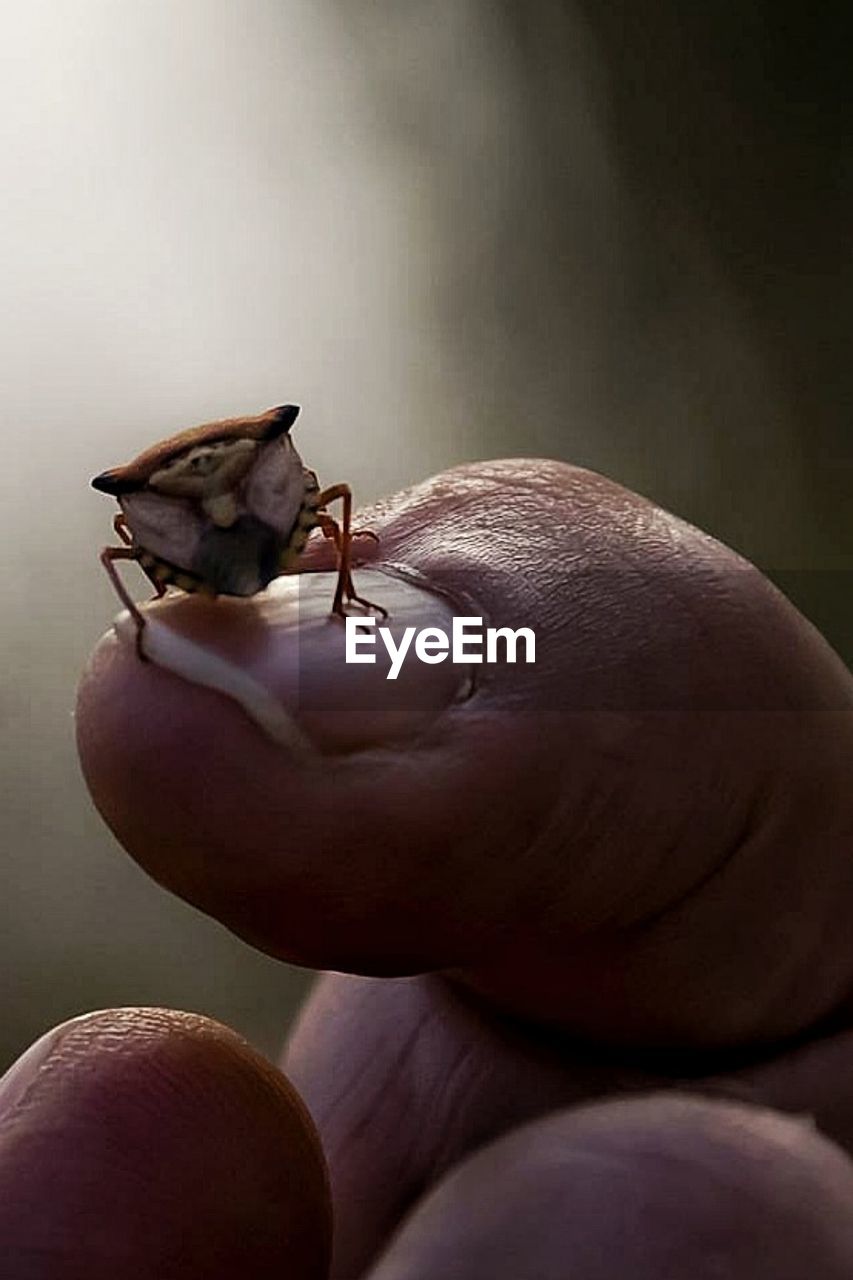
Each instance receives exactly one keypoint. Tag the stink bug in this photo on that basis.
(223, 509)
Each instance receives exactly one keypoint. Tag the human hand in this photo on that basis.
(622, 870)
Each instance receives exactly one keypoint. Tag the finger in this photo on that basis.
(611, 837)
(655, 1189)
(148, 1143)
(404, 1079)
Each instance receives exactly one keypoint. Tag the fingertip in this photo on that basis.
(656, 1187)
(141, 1142)
(316, 860)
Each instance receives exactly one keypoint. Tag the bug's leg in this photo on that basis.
(160, 588)
(121, 529)
(108, 557)
(343, 541)
(331, 529)
(355, 533)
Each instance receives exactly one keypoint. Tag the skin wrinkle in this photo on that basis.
(464, 1077)
(146, 1040)
(751, 829)
(595, 810)
(430, 1155)
(70, 1048)
(459, 1077)
(357, 1127)
(350, 1120)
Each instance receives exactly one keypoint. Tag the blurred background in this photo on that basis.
(617, 234)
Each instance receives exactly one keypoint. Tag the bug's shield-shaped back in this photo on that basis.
(136, 474)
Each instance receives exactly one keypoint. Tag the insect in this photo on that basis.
(222, 509)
